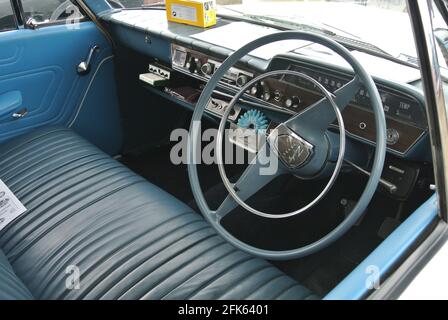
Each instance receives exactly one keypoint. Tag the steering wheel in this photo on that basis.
(306, 134)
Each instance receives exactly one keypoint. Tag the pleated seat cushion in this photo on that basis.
(127, 239)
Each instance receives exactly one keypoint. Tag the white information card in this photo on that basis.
(10, 206)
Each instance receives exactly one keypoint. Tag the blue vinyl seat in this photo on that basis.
(127, 238)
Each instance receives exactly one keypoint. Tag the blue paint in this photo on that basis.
(353, 287)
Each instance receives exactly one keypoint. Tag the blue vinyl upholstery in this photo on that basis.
(38, 69)
(11, 287)
(129, 239)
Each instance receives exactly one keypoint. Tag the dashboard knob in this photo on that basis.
(198, 65)
(392, 136)
(267, 96)
(242, 80)
(293, 102)
(193, 65)
(207, 68)
(277, 95)
(253, 90)
(257, 90)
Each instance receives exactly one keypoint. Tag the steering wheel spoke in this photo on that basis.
(321, 114)
(256, 176)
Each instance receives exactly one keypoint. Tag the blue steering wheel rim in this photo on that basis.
(378, 160)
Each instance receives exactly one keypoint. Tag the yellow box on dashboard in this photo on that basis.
(200, 13)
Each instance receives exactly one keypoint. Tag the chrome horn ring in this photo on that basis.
(219, 143)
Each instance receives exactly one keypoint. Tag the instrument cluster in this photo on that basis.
(405, 114)
(396, 105)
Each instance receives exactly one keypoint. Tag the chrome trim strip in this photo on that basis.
(420, 13)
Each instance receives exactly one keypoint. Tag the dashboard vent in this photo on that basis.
(356, 43)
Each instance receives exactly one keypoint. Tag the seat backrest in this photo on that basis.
(12, 288)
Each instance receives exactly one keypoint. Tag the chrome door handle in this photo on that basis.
(20, 114)
(31, 23)
(84, 66)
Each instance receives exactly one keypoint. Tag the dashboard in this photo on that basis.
(194, 54)
(403, 107)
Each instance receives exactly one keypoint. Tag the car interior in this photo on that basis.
(88, 113)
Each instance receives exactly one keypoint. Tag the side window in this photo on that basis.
(51, 11)
(7, 18)
(440, 28)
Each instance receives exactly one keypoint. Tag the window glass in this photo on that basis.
(7, 19)
(441, 35)
(50, 11)
(380, 26)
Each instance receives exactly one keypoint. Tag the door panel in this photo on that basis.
(41, 65)
(9, 102)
